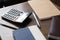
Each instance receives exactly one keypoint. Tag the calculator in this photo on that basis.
(16, 15)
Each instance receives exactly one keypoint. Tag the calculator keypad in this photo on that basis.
(12, 14)
(10, 17)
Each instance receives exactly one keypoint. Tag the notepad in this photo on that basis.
(44, 8)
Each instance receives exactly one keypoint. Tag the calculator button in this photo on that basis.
(14, 12)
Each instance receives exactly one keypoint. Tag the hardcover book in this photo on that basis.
(23, 34)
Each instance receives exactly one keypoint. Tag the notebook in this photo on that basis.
(28, 33)
(44, 8)
(23, 34)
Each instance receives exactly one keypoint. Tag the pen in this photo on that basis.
(8, 26)
(36, 19)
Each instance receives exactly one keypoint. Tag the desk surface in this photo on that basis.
(44, 8)
(7, 33)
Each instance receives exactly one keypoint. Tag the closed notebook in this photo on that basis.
(23, 34)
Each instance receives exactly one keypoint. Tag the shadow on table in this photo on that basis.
(20, 25)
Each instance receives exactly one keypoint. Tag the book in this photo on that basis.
(28, 33)
(23, 34)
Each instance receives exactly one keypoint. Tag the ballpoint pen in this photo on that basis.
(8, 26)
(36, 19)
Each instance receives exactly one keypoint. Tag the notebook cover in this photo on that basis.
(23, 34)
